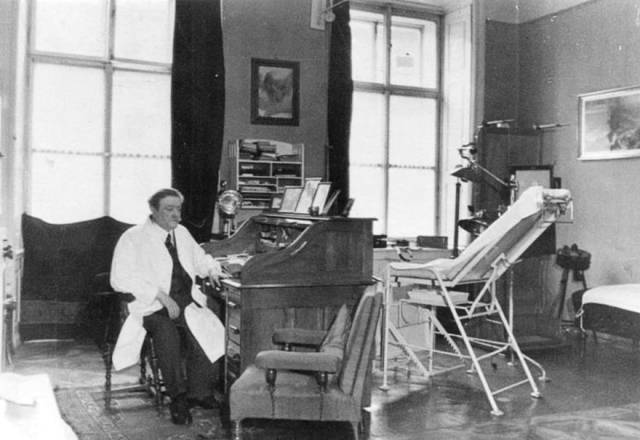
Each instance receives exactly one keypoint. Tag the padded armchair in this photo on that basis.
(332, 384)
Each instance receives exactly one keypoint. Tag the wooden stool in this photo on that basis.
(572, 260)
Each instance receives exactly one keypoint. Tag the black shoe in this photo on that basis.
(208, 402)
(180, 414)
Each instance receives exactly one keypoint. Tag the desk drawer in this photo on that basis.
(232, 295)
(233, 313)
(233, 361)
(233, 334)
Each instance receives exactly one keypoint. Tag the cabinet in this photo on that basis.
(260, 169)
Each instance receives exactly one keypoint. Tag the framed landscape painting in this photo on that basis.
(610, 124)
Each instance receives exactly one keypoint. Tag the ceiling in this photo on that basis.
(512, 11)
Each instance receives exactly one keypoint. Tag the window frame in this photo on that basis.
(109, 65)
(387, 89)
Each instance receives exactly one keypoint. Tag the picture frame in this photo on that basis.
(329, 204)
(609, 124)
(320, 197)
(290, 197)
(308, 192)
(276, 202)
(275, 92)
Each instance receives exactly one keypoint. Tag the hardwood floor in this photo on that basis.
(592, 393)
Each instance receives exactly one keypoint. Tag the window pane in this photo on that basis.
(366, 186)
(68, 108)
(66, 188)
(367, 46)
(411, 202)
(366, 145)
(152, 19)
(412, 131)
(76, 27)
(141, 113)
(133, 181)
(413, 52)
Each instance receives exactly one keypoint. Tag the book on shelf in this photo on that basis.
(269, 150)
(255, 189)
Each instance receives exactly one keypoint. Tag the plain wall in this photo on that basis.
(551, 61)
(278, 30)
(501, 71)
(588, 48)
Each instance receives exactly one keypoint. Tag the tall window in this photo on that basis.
(393, 161)
(99, 113)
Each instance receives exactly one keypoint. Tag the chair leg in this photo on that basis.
(143, 364)
(156, 383)
(237, 430)
(365, 422)
(356, 430)
(108, 366)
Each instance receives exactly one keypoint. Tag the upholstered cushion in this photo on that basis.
(336, 336)
(298, 336)
(356, 362)
(295, 396)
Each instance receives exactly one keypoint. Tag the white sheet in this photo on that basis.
(530, 202)
(622, 296)
(28, 409)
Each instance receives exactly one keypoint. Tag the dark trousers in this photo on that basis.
(179, 354)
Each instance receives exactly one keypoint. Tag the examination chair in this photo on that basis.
(482, 264)
(331, 384)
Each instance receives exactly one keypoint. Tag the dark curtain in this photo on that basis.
(340, 102)
(197, 107)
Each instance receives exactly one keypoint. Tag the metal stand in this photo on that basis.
(455, 251)
(460, 310)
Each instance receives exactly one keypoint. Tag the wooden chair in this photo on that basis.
(329, 385)
(115, 305)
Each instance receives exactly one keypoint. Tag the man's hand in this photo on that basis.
(169, 304)
(215, 278)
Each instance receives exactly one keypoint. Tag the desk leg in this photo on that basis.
(385, 330)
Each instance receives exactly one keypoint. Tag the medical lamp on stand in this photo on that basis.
(472, 171)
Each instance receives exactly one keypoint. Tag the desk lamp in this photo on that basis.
(229, 201)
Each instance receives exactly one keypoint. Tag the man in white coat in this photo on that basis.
(157, 262)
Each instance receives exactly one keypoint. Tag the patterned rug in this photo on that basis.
(132, 417)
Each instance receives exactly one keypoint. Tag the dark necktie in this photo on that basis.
(180, 280)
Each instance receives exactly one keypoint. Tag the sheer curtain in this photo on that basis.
(340, 101)
(197, 107)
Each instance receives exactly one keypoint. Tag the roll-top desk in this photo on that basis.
(290, 270)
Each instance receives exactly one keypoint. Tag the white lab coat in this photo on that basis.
(141, 266)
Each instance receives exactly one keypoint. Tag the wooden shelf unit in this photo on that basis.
(259, 175)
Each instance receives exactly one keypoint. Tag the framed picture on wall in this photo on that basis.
(610, 124)
(275, 92)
